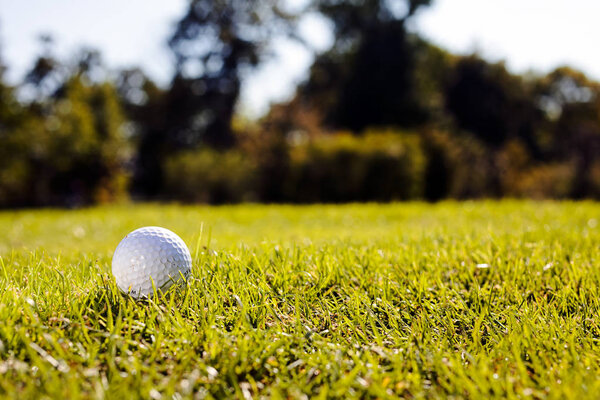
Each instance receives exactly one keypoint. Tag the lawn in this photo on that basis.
(475, 299)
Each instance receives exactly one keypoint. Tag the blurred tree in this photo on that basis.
(352, 19)
(459, 166)
(7, 102)
(45, 75)
(215, 43)
(264, 143)
(380, 165)
(12, 167)
(572, 102)
(146, 107)
(485, 99)
(64, 148)
(369, 77)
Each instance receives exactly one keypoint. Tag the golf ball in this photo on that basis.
(147, 256)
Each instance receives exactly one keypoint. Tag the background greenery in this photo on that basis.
(470, 299)
(383, 115)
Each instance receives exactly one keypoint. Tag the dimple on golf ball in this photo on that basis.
(150, 256)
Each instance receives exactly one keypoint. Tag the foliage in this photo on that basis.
(209, 176)
(67, 150)
(214, 43)
(521, 177)
(12, 169)
(496, 106)
(265, 145)
(371, 76)
(380, 165)
(75, 133)
(573, 102)
(458, 166)
(464, 300)
(147, 108)
(546, 181)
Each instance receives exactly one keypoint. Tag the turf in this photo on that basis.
(476, 300)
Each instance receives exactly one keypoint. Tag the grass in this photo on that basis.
(476, 300)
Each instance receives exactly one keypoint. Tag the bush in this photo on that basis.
(67, 150)
(377, 166)
(521, 177)
(209, 176)
(594, 178)
(547, 181)
(511, 160)
(458, 166)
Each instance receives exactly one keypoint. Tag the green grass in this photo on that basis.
(326, 301)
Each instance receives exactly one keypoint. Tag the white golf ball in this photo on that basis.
(147, 256)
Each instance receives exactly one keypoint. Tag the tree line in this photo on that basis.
(383, 115)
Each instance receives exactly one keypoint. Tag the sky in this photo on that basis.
(536, 35)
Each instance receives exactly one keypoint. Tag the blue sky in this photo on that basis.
(528, 34)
